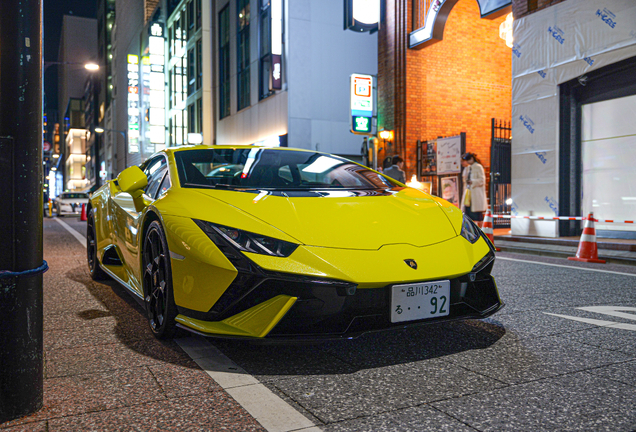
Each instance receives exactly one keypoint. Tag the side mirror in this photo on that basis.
(132, 180)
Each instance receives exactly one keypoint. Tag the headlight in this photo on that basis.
(470, 231)
(247, 241)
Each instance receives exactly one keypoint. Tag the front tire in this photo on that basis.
(96, 272)
(157, 278)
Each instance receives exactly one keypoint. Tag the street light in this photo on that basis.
(101, 130)
(88, 66)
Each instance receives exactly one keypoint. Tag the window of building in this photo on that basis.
(199, 65)
(177, 82)
(224, 62)
(191, 118)
(199, 128)
(190, 14)
(265, 66)
(191, 73)
(199, 12)
(243, 57)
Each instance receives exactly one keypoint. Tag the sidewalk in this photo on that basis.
(615, 251)
(104, 370)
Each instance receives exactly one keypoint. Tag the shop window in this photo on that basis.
(265, 43)
(224, 62)
(243, 57)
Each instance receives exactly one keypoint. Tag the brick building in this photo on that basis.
(455, 79)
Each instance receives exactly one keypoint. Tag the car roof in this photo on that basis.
(172, 150)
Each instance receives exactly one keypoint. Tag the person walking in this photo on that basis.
(474, 194)
(396, 170)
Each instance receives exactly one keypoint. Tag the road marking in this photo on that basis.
(76, 234)
(612, 310)
(606, 310)
(566, 266)
(272, 412)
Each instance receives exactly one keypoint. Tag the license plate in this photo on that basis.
(418, 301)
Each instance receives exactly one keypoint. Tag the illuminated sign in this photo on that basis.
(156, 94)
(277, 44)
(437, 14)
(362, 15)
(133, 103)
(361, 124)
(361, 104)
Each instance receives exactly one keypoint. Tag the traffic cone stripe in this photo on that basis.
(588, 238)
(487, 228)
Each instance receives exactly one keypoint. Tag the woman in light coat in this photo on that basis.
(474, 179)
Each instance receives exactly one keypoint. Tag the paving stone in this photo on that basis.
(40, 426)
(179, 380)
(99, 358)
(422, 419)
(214, 412)
(367, 392)
(577, 401)
(520, 360)
(621, 372)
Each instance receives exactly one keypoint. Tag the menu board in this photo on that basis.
(449, 154)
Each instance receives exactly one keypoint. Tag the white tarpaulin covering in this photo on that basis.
(551, 47)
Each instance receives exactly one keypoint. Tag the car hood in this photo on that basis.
(406, 216)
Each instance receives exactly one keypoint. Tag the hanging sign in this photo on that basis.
(361, 104)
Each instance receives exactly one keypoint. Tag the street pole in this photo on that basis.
(21, 198)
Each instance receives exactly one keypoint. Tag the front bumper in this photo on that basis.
(305, 296)
(331, 309)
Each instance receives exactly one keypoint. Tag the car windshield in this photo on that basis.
(258, 168)
(74, 196)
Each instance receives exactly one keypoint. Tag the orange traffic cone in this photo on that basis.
(587, 246)
(486, 227)
(83, 216)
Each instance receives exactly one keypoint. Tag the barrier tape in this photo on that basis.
(563, 218)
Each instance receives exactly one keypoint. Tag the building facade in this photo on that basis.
(444, 71)
(238, 72)
(573, 99)
(78, 46)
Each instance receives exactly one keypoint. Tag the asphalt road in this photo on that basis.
(560, 356)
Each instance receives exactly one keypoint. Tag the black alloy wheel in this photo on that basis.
(157, 278)
(96, 272)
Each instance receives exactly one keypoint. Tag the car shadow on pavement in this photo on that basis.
(119, 308)
(373, 350)
(369, 351)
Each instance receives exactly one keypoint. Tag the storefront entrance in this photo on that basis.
(608, 140)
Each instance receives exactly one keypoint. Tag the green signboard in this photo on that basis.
(361, 124)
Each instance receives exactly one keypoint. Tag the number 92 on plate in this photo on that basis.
(418, 301)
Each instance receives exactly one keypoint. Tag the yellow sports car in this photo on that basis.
(251, 242)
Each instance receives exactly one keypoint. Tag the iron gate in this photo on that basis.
(500, 175)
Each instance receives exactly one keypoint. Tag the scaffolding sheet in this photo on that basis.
(553, 46)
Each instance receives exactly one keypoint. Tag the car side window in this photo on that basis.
(155, 180)
(152, 168)
(165, 185)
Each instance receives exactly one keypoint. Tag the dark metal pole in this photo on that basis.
(21, 198)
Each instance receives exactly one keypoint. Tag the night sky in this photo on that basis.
(54, 10)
